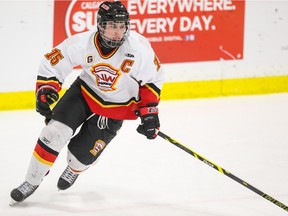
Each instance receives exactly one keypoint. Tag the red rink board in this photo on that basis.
(179, 30)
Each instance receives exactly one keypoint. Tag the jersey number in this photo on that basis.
(54, 56)
(157, 62)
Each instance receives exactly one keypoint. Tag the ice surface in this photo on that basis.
(247, 136)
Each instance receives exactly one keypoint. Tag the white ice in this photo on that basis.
(246, 135)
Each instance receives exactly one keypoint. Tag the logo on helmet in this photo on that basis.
(104, 6)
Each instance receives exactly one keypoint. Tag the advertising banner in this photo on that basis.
(179, 30)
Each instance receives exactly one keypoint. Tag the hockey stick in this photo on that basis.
(223, 171)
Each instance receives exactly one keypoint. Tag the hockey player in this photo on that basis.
(121, 79)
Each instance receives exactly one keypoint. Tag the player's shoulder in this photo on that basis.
(80, 37)
(137, 41)
(138, 37)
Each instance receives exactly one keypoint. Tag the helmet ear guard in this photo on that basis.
(115, 12)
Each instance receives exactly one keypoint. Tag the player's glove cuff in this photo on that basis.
(149, 121)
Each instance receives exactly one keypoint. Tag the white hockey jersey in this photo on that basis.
(114, 85)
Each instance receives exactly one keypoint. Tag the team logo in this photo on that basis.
(106, 76)
(99, 145)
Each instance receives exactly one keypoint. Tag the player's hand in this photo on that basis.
(149, 121)
(45, 96)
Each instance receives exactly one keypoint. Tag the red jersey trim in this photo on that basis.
(149, 94)
(154, 91)
(123, 111)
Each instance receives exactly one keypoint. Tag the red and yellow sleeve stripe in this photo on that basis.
(52, 81)
(149, 94)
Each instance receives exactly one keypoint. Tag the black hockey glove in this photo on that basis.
(149, 121)
(45, 96)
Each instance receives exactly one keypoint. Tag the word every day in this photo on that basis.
(167, 24)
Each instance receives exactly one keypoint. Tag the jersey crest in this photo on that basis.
(98, 146)
(106, 76)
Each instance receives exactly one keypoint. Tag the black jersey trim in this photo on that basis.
(102, 102)
(49, 79)
(153, 88)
